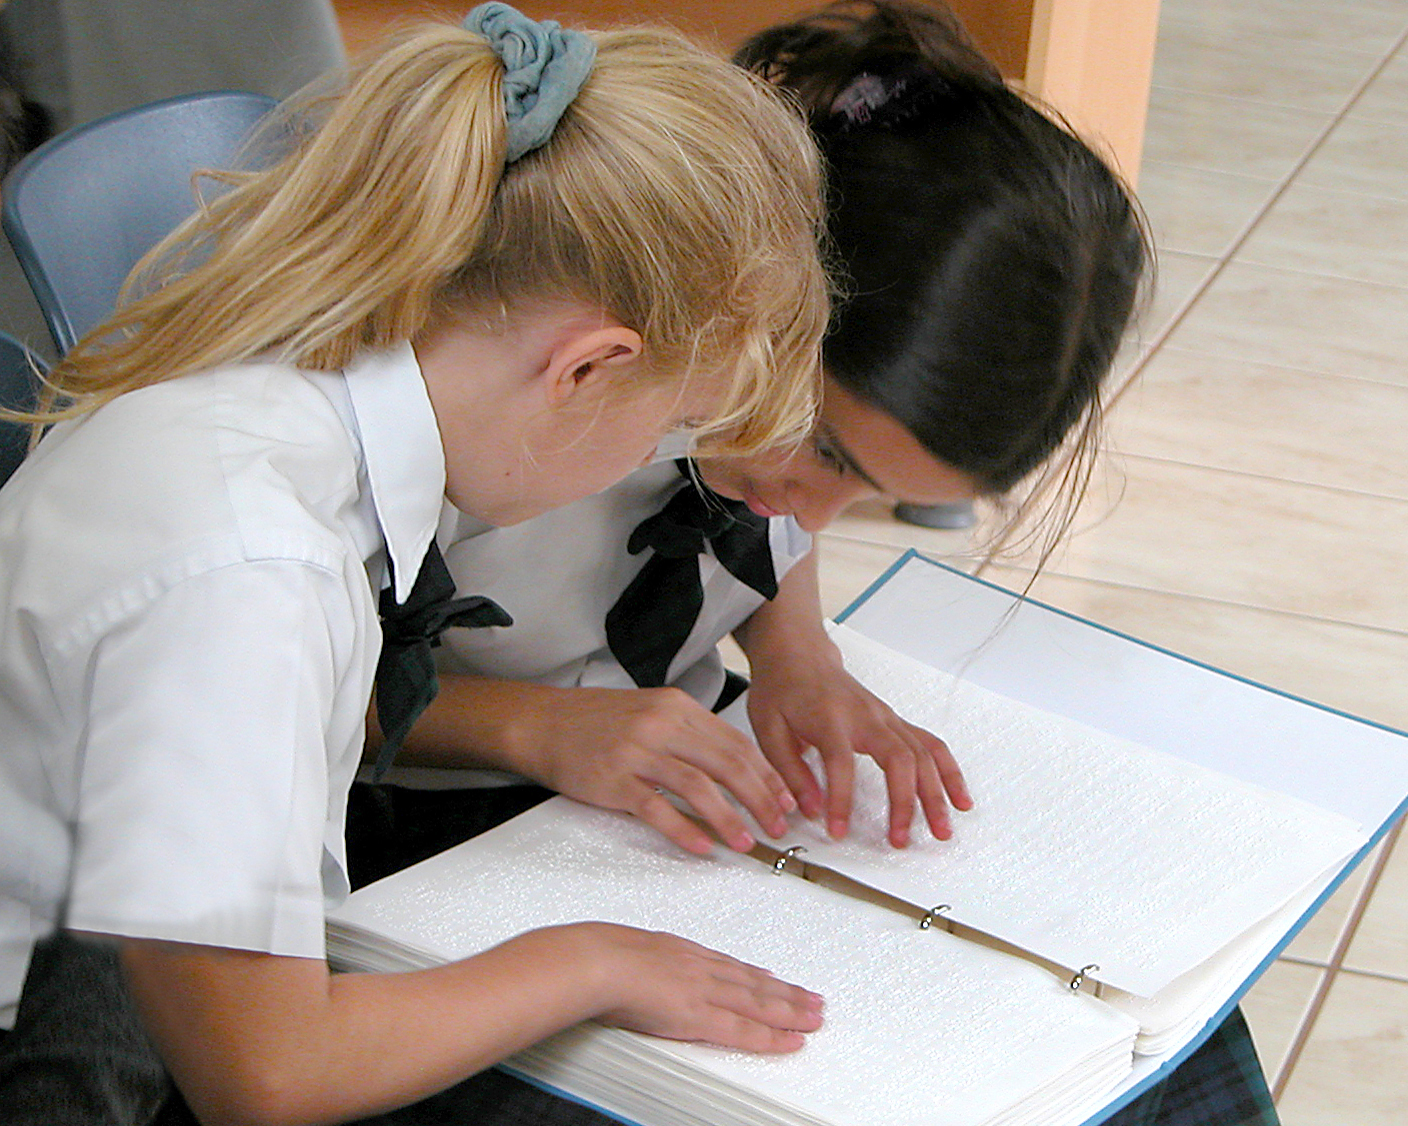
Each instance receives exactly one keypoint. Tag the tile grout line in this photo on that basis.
(1181, 312)
(1348, 971)
(1252, 475)
(1336, 963)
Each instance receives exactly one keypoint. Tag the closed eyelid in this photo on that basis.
(828, 455)
(836, 449)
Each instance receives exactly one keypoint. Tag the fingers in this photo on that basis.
(672, 743)
(901, 780)
(655, 810)
(950, 775)
(732, 760)
(784, 750)
(757, 1012)
(678, 989)
(840, 786)
(702, 795)
(917, 765)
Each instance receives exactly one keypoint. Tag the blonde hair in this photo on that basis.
(679, 193)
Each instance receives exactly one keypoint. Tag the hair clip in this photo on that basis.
(886, 100)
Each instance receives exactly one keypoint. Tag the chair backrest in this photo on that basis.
(81, 209)
(18, 391)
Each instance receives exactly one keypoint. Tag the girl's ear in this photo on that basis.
(586, 360)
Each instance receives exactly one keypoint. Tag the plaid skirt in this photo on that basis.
(1221, 1084)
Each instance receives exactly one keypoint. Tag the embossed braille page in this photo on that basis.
(1082, 847)
(920, 1026)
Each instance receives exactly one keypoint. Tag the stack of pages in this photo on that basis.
(1164, 882)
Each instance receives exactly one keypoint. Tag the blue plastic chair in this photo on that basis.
(81, 209)
(19, 390)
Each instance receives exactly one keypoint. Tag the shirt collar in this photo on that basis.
(674, 445)
(402, 452)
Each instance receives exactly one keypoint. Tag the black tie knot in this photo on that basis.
(404, 626)
(686, 524)
(406, 681)
(656, 613)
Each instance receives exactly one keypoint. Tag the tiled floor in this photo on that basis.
(1253, 511)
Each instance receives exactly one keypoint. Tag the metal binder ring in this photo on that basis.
(932, 914)
(1079, 980)
(781, 862)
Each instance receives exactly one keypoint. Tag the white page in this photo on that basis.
(1068, 666)
(920, 1026)
(1084, 848)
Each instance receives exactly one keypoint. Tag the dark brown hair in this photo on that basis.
(991, 260)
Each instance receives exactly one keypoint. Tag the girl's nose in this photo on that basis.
(815, 506)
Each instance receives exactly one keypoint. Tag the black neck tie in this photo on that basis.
(656, 613)
(405, 674)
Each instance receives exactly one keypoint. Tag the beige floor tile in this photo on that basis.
(847, 567)
(1228, 134)
(872, 521)
(1304, 321)
(1381, 943)
(1274, 545)
(1352, 1072)
(1134, 350)
(1386, 97)
(1305, 74)
(1316, 941)
(1177, 276)
(1198, 211)
(1274, 1007)
(1365, 25)
(1275, 422)
(1361, 155)
(1323, 231)
(1170, 287)
(1355, 670)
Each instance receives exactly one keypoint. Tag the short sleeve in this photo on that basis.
(203, 800)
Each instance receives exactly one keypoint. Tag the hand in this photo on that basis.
(668, 986)
(802, 697)
(621, 748)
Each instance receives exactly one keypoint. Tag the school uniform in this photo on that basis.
(560, 574)
(190, 598)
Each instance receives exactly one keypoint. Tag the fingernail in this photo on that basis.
(743, 842)
(786, 800)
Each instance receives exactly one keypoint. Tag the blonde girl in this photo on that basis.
(495, 268)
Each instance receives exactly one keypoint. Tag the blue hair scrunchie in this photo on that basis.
(544, 68)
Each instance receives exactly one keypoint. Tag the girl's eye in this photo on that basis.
(829, 456)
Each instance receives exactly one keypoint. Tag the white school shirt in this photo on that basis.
(558, 575)
(188, 592)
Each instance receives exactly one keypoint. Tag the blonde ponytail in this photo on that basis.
(678, 193)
